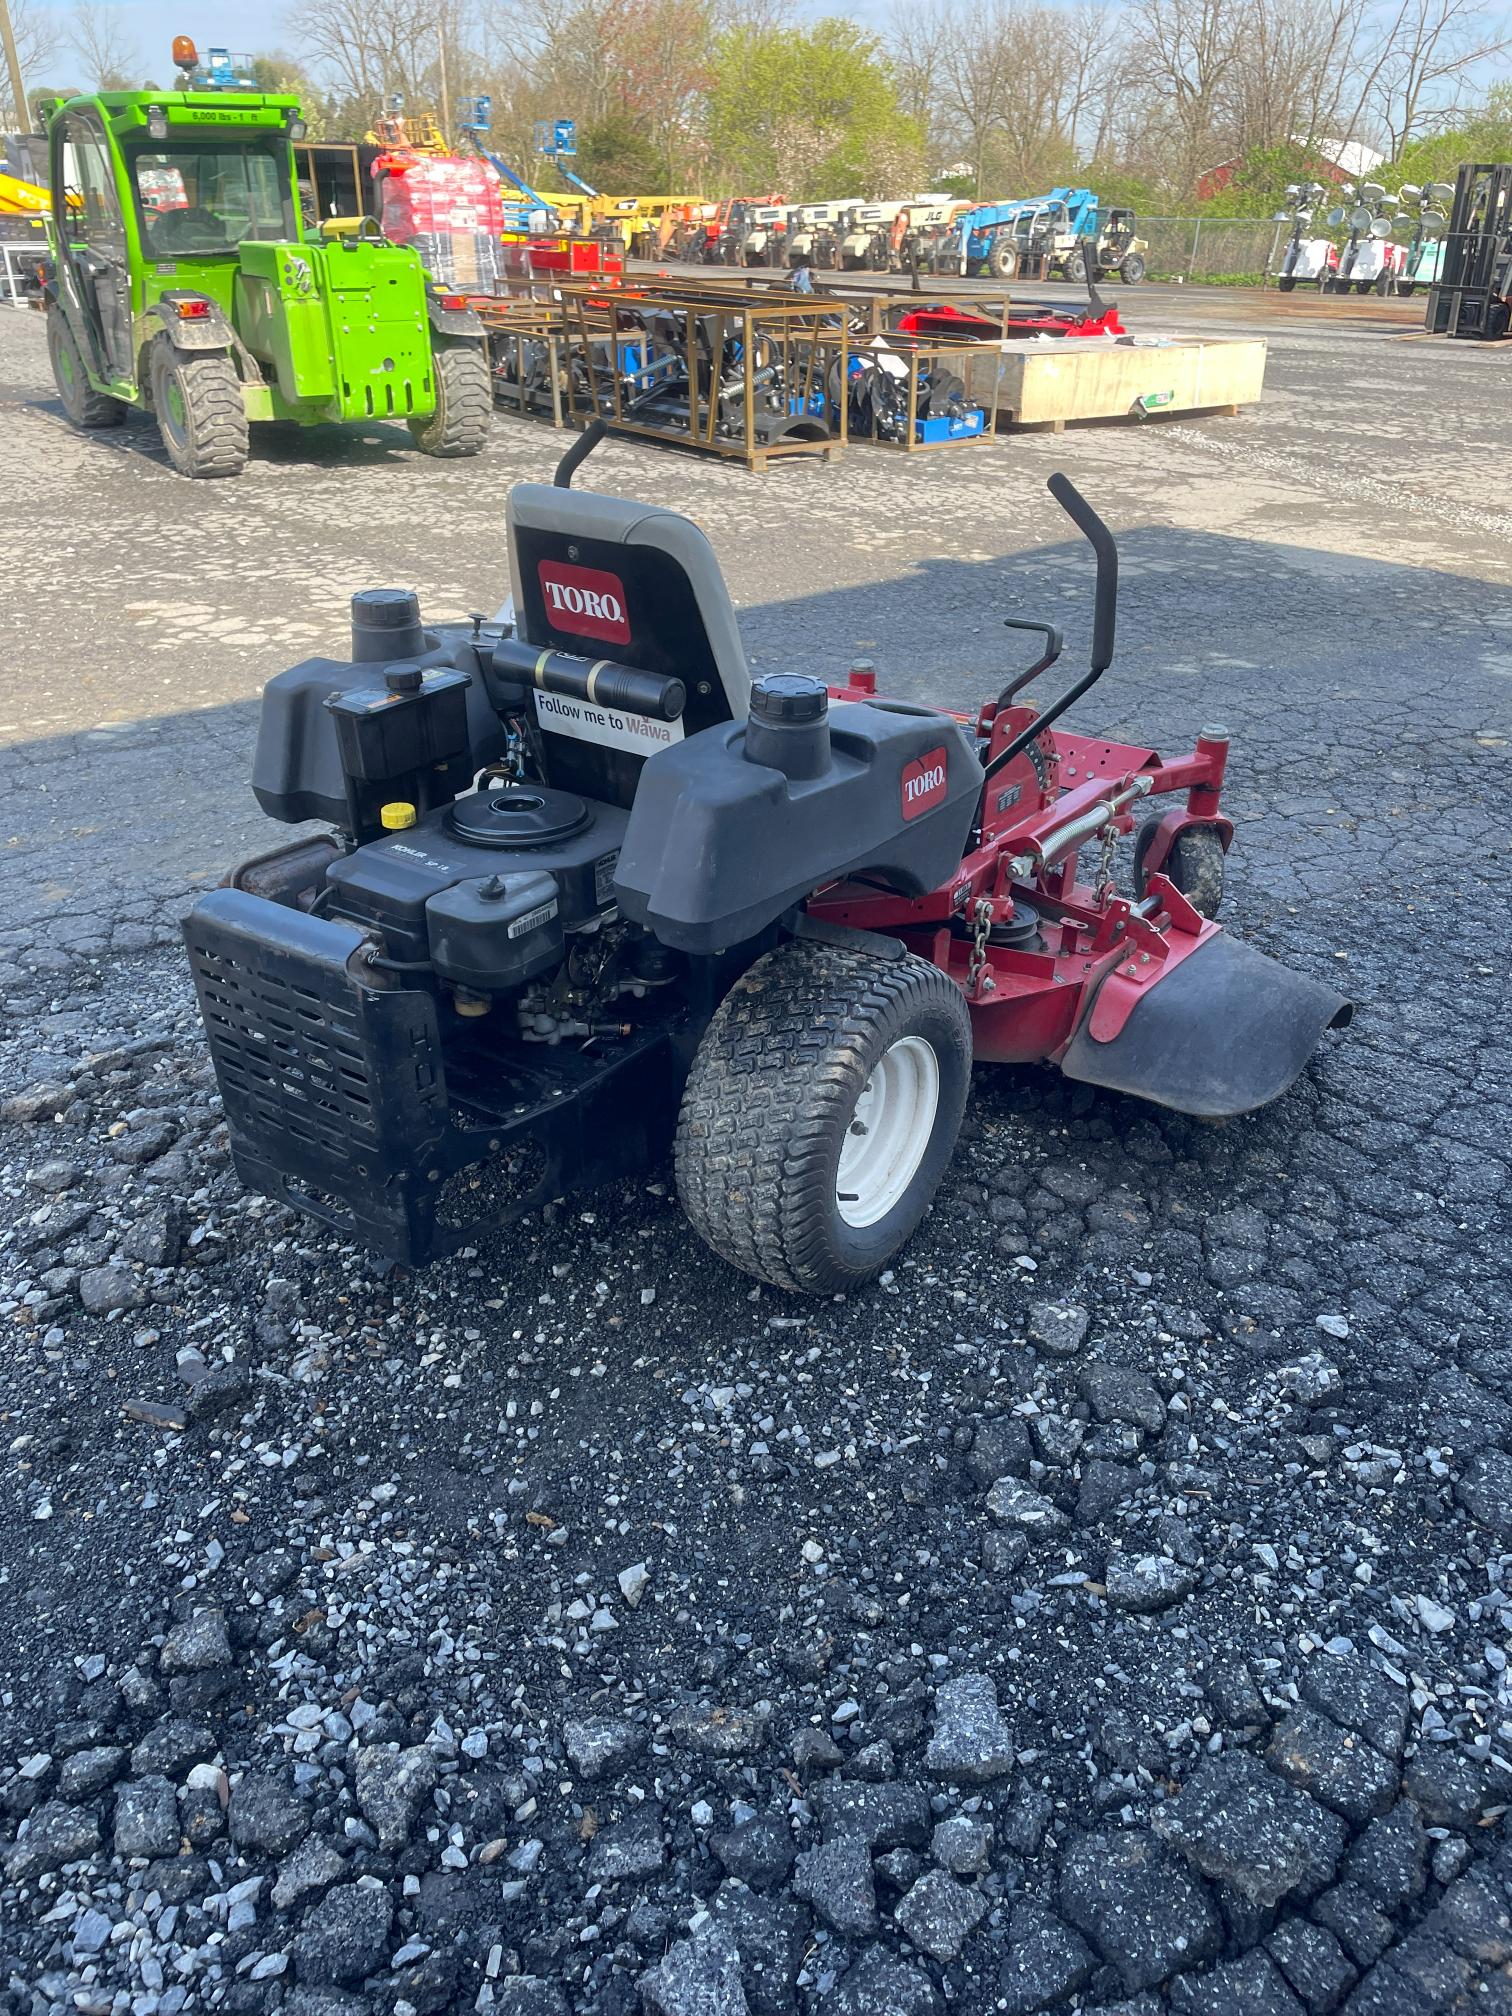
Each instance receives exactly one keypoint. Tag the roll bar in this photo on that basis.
(1104, 621)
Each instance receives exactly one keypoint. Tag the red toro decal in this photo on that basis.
(585, 601)
(924, 783)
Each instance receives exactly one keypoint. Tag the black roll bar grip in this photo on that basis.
(578, 454)
(1100, 539)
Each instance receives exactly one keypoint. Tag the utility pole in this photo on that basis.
(13, 65)
(441, 54)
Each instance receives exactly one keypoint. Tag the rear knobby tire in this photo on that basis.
(84, 406)
(464, 404)
(1194, 864)
(197, 397)
(772, 1100)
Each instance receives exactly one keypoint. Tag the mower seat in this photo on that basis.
(608, 579)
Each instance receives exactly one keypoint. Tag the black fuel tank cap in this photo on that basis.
(386, 608)
(788, 696)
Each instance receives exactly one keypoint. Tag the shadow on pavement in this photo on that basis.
(1368, 701)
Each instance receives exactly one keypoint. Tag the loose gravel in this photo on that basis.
(1111, 1610)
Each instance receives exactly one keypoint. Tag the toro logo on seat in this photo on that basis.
(585, 601)
(924, 783)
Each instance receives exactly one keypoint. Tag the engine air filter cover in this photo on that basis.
(520, 815)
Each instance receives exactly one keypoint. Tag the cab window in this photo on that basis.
(94, 214)
(199, 200)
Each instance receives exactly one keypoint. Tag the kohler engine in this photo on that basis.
(505, 890)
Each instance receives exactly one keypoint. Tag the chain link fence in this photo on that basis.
(1212, 248)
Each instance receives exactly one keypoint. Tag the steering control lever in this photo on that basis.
(1104, 618)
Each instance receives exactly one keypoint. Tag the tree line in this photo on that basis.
(1141, 98)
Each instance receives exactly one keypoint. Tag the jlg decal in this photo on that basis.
(585, 601)
(924, 783)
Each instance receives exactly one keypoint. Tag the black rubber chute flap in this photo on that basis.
(1226, 1030)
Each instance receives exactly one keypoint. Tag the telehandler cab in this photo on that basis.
(181, 282)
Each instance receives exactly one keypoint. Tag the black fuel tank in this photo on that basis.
(719, 844)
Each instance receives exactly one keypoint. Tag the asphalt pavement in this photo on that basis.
(1110, 1610)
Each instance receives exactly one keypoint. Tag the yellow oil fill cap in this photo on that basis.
(396, 818)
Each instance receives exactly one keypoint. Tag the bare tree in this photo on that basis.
(1095, 72)
(1330, 105)
(100, 38)
(1185, 51)
(37, 45)
(916, 38)
(1019, 90)
(1428, 51)
(976, 65)
(375, 50)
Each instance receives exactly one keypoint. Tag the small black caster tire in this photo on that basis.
(1195, 864)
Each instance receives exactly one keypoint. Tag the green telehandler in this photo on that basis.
(181, 282)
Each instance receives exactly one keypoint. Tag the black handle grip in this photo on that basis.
(578, 454)
(1097, 535)
(1054, 645)
(597, 680)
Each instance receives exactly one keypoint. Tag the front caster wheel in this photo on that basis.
(821, 1111)
(1194, 864)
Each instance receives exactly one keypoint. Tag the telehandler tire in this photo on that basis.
(1003, 260)
(464, 404)
(197, 398)
(1132, 270)
(1194, 864)
(821, 1112)
(1076, 268)
(84, 406)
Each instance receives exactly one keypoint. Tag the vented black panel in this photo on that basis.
(333, 1089)
(338, 1103)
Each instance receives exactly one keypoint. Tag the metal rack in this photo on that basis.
(747, 379)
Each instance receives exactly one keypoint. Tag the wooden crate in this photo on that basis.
(1047, 384)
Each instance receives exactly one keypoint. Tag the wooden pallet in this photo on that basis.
(1047, 385)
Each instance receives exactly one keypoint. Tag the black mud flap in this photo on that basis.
(1226, 1030)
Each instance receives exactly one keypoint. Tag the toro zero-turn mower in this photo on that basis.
(594, 891)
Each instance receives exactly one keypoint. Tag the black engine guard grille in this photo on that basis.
(337, 1099)
(334, 1093)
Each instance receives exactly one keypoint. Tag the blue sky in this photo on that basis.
(152, 25)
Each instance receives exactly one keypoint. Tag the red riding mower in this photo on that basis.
(592, 891)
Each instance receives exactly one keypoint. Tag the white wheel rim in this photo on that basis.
(888, 1132)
